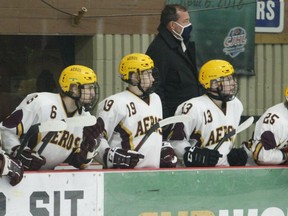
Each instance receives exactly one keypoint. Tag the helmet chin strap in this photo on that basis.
(76, 100)
(215, 97)
(78, 105)
(221, 97)
(144, 93)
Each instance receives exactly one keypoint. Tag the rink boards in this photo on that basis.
(241, 191)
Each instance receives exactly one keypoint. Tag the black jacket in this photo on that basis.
(178, 80)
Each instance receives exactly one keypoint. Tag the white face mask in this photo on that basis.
(185, 32)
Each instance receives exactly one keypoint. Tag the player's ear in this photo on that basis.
(171, 25)
(134, 79)
(74, 90)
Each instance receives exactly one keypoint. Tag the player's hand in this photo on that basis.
(82, 157)
(93, 132)
(168, 157)
(237, 157)
(30, 159)
(121, 158)
(12, 168)
(200, 157)
(91, 139)
(88, 148)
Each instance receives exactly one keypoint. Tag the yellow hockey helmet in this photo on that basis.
(78, 75)
(134, 63)
(286, 93)
(213, 70)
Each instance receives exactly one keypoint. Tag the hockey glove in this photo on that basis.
(12, 168)
(200, 157)
(237, 157)
(91, 140)
(83, 157)
(30, 159)
(168, 157)
(92, 132)
(121, 158)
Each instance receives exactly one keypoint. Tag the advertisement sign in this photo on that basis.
(270, 16)
(53, 193)
(220, 191)
(238, 191)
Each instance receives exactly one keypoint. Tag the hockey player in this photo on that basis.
(211, 115)
(270, 137)
(128, 115)
(79, 93)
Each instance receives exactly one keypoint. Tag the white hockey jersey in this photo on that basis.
(268, 147)
(127, 118)
(37, 108)
(207, 123)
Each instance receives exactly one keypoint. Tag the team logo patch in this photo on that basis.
(235, 41)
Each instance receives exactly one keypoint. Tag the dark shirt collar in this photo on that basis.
(168, 37)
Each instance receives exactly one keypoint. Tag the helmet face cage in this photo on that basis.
(148, 81)
(89, 95)
(156, 76)
(225, 87)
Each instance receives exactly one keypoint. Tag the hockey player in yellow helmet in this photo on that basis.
(211, 116)
(128, 115)
(79, 93)
(138, 70)
(218, 79)
(80, 83)
(270, 136)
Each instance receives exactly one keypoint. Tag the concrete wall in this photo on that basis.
(56, 16)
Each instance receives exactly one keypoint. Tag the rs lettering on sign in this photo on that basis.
(269, 16)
